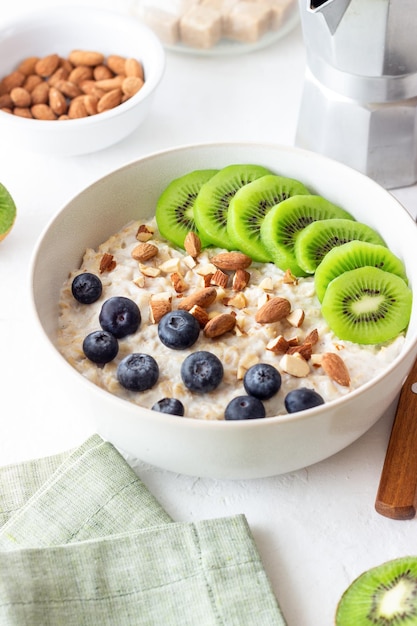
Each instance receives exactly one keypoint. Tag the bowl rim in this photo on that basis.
(58, 13)
(189, 421)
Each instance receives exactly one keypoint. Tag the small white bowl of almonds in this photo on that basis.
(75, 80)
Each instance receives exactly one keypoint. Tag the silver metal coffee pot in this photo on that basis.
(359, 101)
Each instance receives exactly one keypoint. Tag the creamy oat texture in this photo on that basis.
(237, 349)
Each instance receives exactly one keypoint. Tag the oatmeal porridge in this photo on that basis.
(162, 279)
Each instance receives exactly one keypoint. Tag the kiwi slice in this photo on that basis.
(355, 254)
(385, 595)
(175, 207)
(367, 305)
(285, 220)
(249, 206)
(212, 203)
(318, 238)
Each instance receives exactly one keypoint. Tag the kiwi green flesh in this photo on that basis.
(317, 239)
(385, 595)
(7, 210)
(249, 207)
(212, 203)
(286, 220)
(174, 212)
(367, 305)
(352, 255)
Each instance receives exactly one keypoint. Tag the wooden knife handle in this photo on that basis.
(396, 497)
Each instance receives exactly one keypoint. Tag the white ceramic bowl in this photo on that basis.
(255, 448)
(60, 30)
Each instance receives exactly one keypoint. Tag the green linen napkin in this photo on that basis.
(83, 542)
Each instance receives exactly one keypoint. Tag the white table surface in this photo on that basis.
(316, 529)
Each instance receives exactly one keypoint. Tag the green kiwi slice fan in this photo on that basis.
(212, 203)
(385, 595)
(174, 212)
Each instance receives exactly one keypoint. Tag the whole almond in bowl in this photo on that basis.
(75, 80)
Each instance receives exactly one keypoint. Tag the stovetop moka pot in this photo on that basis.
(359, 102)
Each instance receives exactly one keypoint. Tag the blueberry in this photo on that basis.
(100, 346)
(120, 316)
(262, 381)
(244, 408)
(202, 371)
(86, 288)
(169, 405)
(137, 372)
(178, 330)
(302, 399)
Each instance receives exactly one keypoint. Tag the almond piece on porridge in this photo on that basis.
(158, 307)
(278, 344)
(219, 325)
(192, 244)
(240, 280)
(289, 278)
(335, 368)
(144, 251)
(295, 365)
(144, 233)
(220, 279)
(203, 297)
(200, 314)
(231, 261)
(178, 282)
(272, 311)
(107, 263)
(296, 318)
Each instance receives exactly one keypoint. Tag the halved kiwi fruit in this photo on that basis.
(285, 220)
(212, 203)
(355, 254)
(7, 212)
(367, 305)
(175, 207)
(317, 239)
(249, 206)
(385, 595)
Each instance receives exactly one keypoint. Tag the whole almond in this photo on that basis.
(27, 66)
(86, 57)
(42, 112)
(20, 97)
(219, 325)
(131, 85)
(274, 310)
(80, 73)
(90, 103)
(47, 65)
(57, 101)
(335, 368)
(108, 84)
(230, 261)
(12, 80)
(23, 112)
(40, 94)
(102, 72)
(6, 101)
(31, 82)
(110, 100)
(116, 63)
(68, 88)
(77, 109)
(60, 74)
(203, 297)
(133, 67)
